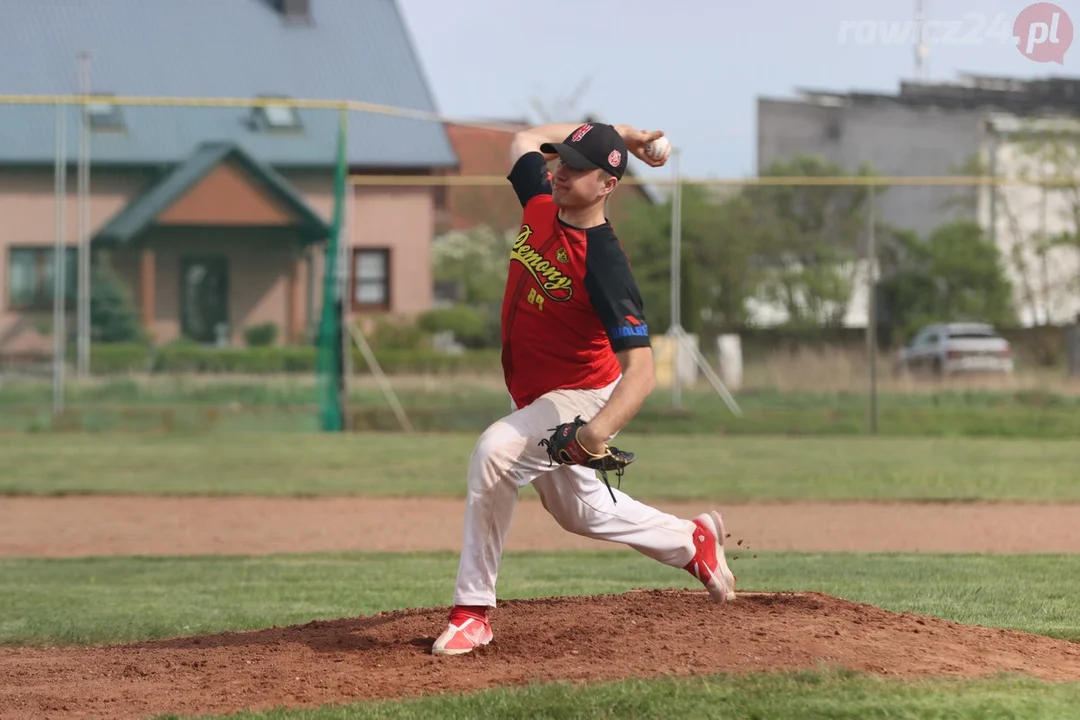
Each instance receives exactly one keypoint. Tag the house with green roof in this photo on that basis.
(214, 217)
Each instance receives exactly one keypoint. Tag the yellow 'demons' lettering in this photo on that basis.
(554, 283)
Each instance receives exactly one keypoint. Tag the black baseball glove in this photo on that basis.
(564, 448)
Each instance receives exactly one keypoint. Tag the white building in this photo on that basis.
(1025, 218)
(943, 129)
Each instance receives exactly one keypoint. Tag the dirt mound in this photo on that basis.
(645, 633)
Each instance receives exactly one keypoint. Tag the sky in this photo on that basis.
(695, 68)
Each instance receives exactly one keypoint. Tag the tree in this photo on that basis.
(477, 260)
(718, 264)
(113, 318)
(717, 237)
(954, 275)
(810, 239)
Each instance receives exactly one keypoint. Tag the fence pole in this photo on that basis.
(58, 269)
(676, 277)
(344, 270)
(871, 315)
(83, 221)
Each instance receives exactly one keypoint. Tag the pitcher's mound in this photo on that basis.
(638, 634)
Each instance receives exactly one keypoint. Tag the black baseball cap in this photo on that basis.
(592, 146)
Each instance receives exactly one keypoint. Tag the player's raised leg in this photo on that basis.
(583, 505)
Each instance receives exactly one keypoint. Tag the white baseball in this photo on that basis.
(658, 149)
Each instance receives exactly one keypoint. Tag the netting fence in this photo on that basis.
(222, 269)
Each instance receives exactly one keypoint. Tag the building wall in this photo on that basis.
(901, 141)
(260, 263)
(1046, 284)
(401, 219)
(894, 140)
(28, 208)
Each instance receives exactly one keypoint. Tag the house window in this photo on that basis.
(30, 278)
(439, 194)
(276, 118)
(371, 278)
(104, 116)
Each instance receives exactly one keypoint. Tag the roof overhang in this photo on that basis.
(218, 185)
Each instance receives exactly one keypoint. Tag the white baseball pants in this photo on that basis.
(508, 457)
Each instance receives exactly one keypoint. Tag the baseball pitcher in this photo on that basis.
(578, 365)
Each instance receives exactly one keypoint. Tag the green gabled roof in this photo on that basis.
(140, 214)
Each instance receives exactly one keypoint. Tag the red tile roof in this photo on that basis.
(485, 152)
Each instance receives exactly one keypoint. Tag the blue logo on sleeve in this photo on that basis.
(634, 330)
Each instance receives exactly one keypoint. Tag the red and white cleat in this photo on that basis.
(468, 629)
(709, 564)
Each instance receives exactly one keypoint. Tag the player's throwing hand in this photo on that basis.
(646, 145)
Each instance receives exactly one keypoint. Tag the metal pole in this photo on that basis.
(344, 269)
(871, 320)
(380, 377)
(82, 220)
(59, 272)
(676, 259)
(1042, 251)
(993, 189)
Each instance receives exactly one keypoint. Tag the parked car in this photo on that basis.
(950, 348)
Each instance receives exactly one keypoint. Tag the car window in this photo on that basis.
(931, 338)
(967, 334)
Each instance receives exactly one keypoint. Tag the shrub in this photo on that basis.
(260, 335)
(182, 357)
(468, 324)
(398, 335)
(429, 362)
(112, 314)
(118, 358)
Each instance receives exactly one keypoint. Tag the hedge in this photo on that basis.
(127, 358)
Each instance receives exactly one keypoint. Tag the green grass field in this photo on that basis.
(807, 695)
(104, 600)
(669, 467)
(466, 404)
(115, 599)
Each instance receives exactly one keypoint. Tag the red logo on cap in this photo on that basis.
(580, 133)
(614, 158)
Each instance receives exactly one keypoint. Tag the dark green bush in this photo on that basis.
(114, 358)
(468, 324)
(260, 335)
(184, 357)
(398, 335)
(113, 318)
(430, 362)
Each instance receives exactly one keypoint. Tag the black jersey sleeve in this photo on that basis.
(530, 177)
(613, 291)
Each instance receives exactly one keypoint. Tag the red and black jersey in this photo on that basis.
(571, 300)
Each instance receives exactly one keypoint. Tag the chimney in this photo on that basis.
(294, 11)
